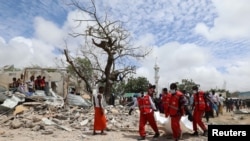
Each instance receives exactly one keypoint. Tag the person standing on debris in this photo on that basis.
(31, 85)
(99, 118)
(199, 110)
(43, 83)
(37, 82)
(165, 100)
(147, 108)
(176, 109)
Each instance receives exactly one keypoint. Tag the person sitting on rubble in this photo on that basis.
(31, 85)
(14, 84)
(37, 82)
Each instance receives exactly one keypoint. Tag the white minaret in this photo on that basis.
(156, 68)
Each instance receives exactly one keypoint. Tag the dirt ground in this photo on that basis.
(25, 134)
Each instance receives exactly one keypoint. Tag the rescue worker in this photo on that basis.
(165, 100)
(147, 108)
(199, 109)
(176, 109)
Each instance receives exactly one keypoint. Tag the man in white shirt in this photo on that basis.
(216, 102)
(221, 103)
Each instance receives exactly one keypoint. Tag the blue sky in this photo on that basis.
(204, 40)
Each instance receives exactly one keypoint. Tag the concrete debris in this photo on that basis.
(15, 124)
(47, 132)
(49, 122)
(2, 132)
(45, 118)
(84, 122)
(20, 109)
(39, 117)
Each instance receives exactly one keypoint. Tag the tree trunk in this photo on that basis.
(107, 92)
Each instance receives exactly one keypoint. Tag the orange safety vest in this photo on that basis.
(165, 100)
(199, 100)
(144, 104)
(174, 106)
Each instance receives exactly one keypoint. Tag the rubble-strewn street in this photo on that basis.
(39, 121)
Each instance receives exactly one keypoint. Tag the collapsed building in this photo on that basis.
(57, 92)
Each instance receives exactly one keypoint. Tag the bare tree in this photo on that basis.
(107, 46)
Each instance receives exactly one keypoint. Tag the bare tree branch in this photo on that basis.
(107, 46)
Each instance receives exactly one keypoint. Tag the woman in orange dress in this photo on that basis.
(100, 118)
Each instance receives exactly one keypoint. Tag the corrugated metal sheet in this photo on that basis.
(3, 92)
(51, 98)
(13, 101)
(77, 100)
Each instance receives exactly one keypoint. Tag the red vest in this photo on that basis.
(199, 101)
(42, 83)
(144, 104)
(165, 100)
(174, 106)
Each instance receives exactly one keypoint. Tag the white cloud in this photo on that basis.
(188, 61)
(232, 21)
(24, 52)
(47, 31)
(163, 25)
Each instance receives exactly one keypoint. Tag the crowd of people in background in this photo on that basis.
(175, 103)
(29, 87)
(216, 103)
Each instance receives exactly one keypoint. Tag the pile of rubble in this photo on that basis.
(42, 117)
(45, 114)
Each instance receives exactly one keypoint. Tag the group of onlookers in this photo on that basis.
(33, 84)
(232, 104)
